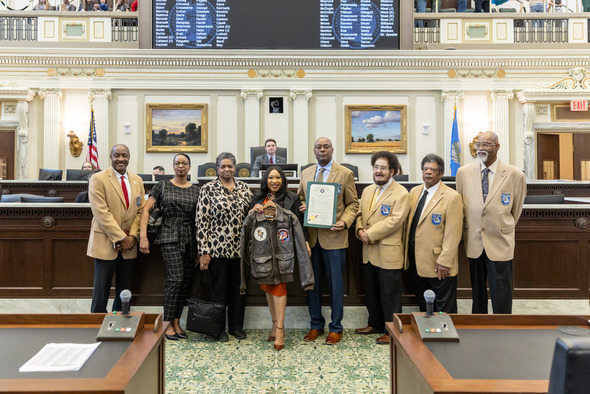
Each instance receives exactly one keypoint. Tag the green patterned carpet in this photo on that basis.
(201, 365)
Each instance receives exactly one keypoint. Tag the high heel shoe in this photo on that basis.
(280, 333)
(272, 335)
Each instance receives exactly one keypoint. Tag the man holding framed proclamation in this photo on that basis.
(327, 188)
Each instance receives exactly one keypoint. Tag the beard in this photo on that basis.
(380, 182)
(482, 155)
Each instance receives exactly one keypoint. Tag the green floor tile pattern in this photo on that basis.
(202, 365)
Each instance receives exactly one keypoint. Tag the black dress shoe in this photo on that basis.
(223, 337)
(239, 334)
(181, 335)
(173, 337)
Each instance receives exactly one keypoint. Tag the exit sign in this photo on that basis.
(578, 105)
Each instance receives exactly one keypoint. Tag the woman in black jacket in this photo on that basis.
(273, 185)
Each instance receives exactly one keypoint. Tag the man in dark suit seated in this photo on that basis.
(270, 146)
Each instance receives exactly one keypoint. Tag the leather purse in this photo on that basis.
(206, 317)
(156, 216)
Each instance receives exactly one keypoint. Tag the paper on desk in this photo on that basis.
(60, 357)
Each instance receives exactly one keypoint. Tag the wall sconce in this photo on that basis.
(75, 144)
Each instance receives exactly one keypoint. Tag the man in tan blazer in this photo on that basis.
(433, 236)
(493, 194)
(380, 227)
(328, 245)
(117, 199)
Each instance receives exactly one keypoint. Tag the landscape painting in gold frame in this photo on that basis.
(372, 128)
(176, 127)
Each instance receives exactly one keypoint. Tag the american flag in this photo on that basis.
(92, 156)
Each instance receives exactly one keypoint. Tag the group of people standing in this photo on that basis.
(224, 230)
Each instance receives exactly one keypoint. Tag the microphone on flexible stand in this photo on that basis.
(125, 299)
(429, 296)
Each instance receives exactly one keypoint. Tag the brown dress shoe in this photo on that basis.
(365, 331)
(333, 338)
(312, 335)
(383, 340)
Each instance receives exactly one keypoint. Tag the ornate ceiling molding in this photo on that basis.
(476, 73)
(75, 72)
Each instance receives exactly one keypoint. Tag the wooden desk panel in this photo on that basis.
(43, 255)
(140, 370)
(414, 368)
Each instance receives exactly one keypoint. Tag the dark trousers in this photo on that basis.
(103, 277)
(482, 5)
(180, 264)
(383, 294)
(445, 289)
(328, 263)
(225, 277)
(499, 275)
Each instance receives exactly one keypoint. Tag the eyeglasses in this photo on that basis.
(483, 144)
(182, 163)
(380, 168)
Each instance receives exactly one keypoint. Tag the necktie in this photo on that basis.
(320, 176)
(376, 196)
(272, 160)
(125, 193)
(417, 215)
(484, 183)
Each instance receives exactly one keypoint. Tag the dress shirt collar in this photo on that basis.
(432, 189)
(493, 168)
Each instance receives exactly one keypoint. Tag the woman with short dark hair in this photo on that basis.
(223, 205)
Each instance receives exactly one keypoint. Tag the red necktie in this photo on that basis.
(124, 187)
(271, 161)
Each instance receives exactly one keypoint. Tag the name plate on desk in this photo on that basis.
(436, 327)
(119, 327)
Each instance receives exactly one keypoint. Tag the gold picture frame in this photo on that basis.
(176, 128)
(373, 128)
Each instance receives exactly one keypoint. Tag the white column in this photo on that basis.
(51, 123)
(501, 100)
(22, 151)
(300, 126)
(451, 99)
(251, 99)
(99, 99)
(530, 158)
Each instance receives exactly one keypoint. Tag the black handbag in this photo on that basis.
(156, 217)
(206, 317)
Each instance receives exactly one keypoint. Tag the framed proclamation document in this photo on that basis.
(321, 204)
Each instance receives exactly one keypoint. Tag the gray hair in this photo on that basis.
(225, 155)
(432, 158)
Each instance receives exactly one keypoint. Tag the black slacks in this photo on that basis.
(180, 264)
(383, 294)
(226, 277)
(499, 275)
(445, 289)
(104, 270)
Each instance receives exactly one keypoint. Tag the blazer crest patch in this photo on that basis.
(339, 188)
(260, 233)
(436, 218)
(505, 198)
(385, 209)
(138, 201)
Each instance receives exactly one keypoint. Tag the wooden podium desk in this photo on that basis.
(115, 367)
(495, 354)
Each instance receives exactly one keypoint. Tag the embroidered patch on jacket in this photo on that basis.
(339, 188)
(505, 198)
(138, 200)
(385, 209)
(436, 218)
(260, 233)
(283, 235)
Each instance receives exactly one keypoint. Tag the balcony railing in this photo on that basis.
(69, 28)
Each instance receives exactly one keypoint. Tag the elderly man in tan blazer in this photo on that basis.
(328, 245)
(433, 236)
(493, 194)
(380, 227)
(117, 199)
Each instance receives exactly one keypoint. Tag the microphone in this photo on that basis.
(125, 298)
(429, 297)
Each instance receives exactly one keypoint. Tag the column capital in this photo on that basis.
(307, 93)
(452, 95)
(507, 94)
(50, 92)
(245, 93)
(93, 93)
